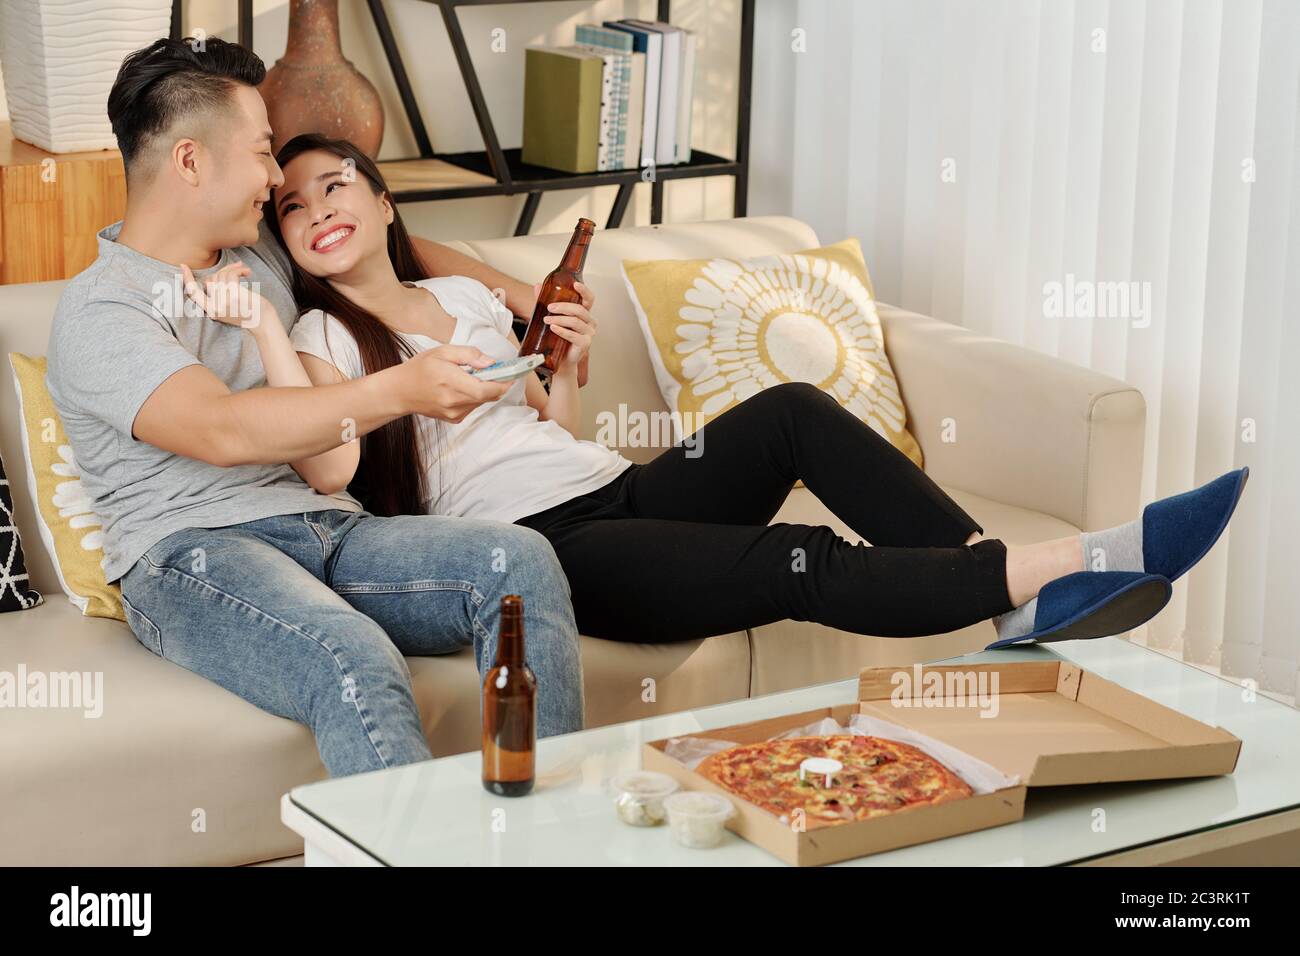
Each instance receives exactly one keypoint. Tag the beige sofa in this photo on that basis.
(1044, 448)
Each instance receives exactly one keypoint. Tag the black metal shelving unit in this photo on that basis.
(501, 172)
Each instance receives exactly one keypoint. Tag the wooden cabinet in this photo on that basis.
(51, 206)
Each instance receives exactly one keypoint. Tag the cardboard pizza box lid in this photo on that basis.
(1050, 722)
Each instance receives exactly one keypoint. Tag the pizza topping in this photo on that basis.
(878, 776)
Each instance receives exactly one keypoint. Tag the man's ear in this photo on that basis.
(185, 160)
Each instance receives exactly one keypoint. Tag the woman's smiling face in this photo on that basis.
(330, 216)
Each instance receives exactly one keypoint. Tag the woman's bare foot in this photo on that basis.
(1030, 567)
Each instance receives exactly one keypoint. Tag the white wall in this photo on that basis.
(1114, 140)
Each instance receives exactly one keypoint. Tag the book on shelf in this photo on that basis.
(562, 108)
(635, 110)
(669, 80)
(619, 98)
(686, 97)
(650, 45)
(629, 89)
(610, 86)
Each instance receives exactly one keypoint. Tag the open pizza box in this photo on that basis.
(1048, 723)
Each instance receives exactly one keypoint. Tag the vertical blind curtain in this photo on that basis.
(984, 150)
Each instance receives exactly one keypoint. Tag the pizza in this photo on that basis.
(880, 776)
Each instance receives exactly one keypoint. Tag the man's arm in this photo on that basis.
(440, 260)
(193, 413)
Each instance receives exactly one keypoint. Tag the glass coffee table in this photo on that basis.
(437, 812)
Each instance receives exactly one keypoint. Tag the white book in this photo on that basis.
(670, 70)
(649, 42)
(622, 79)
(607, 147)
(686, 97)
(635, 112)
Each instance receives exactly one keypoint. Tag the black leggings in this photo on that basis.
(681, 547)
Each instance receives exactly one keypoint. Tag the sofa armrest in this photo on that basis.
(1017, 426)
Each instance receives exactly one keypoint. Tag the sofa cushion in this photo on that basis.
(721, 329)
(71, 532)
(799, 653)
(621, 682)
(26, 311)
(177, 770)
(16, 592)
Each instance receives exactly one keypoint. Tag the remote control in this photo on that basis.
(506, 370)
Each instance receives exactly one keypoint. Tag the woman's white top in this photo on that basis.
(501, 461)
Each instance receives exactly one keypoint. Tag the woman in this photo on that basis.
(681, 547)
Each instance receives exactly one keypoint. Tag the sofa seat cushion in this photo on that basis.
(126, 787)
(171, 754)
(791, 654)
(622, 682)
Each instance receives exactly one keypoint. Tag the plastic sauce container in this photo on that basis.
(698, 819)
(639, 796)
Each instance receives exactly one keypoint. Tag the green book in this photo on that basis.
(562, 89)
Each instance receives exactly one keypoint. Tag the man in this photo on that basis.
(230, 565)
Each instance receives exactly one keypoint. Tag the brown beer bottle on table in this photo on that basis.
(557, 287)
(509, 709)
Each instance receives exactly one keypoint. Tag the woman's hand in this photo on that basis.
(573, 322)
(224, 298)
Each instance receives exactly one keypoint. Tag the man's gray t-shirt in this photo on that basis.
(120, 330)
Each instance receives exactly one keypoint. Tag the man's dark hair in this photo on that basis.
(168, 79)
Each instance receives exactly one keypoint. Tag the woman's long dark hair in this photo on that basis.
(390, 478)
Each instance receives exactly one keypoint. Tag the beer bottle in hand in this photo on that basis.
(557, 287)
(509, 709)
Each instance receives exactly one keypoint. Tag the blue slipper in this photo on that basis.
(1178, 531)
(1090, 604)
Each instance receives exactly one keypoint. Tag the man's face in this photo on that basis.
(238, 170)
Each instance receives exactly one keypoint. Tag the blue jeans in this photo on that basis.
(308, 616)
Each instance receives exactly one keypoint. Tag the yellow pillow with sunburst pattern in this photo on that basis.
(70, 529)
(720, 330)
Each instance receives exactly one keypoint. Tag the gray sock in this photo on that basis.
(1017, 622)
(1114, 549)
